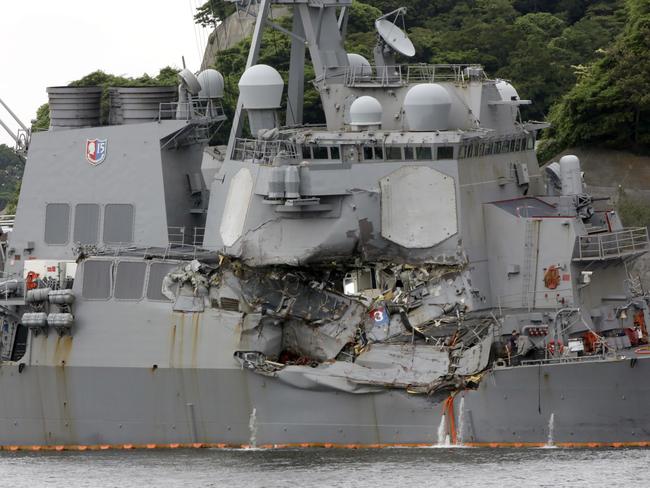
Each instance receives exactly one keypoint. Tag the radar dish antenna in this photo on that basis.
(392, 35)
(553, 178)
(189, 81)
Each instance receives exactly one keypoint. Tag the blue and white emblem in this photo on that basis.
(96, 151)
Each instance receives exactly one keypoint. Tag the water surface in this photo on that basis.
(376, 468)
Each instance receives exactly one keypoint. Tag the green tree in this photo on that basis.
(610, 104)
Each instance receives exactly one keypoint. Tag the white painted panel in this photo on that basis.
(418, 207)
(236, 207)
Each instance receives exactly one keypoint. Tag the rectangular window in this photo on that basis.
(445, 152)
(129, 280)
(497, 148)
(118, 223)
(423, 154)
(335, 153)
(86, 223)
(320, 152)
(531, 143)
(379, 153)
(409, 154)
(97, 280)
(368, 155)
(57, 223)
(306, 152)
(393, 153)
(157, 271)
(462, 153)
(517, 144)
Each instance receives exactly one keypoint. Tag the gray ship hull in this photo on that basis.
(593, 403)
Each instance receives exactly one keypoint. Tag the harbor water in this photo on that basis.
(378, 468)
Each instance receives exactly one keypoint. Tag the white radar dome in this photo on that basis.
(571, 175)
(261, 87)
(365, 111)
(359, 66)
(506, 91)
(427, 107)
(212, 84)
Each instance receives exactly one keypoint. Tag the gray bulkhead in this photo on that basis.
(149, 183)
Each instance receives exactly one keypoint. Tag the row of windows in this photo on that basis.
(124, 280)
(383, 153)
(478, 149)
(117, 223)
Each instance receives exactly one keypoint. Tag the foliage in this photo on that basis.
(166, 77)
(11, 171)
(610, 104)
(634, 211)
(212, 12)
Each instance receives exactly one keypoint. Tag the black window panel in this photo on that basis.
(446, 152)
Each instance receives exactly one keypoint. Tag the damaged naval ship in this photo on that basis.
(403, 275)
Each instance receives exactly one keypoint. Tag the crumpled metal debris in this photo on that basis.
(412, 332)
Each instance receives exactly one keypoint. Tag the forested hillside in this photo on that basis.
(583, 61)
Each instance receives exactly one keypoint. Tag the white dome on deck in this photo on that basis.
(365, 111)
(359, 66)
(261, 87)
(427, 107)
(506, 90)
(212, 84)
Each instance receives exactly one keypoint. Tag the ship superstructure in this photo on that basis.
(401, 274)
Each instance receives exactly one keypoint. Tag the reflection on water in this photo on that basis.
(326, 468)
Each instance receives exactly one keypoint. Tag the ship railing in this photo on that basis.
(12, 286)
(198, 236)
(176, 251)
(176, 234)
(612, 245)
(563, 360)
(402, 75)
(7, 221)
(263, 152)
(202, 110)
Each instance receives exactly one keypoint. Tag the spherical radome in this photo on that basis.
(212, 84)
(365, 111)
(261, 87)
(426, 107)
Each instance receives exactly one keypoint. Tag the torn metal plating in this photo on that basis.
(357, 329)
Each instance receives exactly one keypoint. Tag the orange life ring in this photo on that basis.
(30, 281)
(551, 347)
(552, 278)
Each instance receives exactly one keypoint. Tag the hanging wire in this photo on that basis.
(277, 53)
(196, 37)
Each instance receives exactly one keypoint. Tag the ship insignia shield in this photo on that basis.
(96, 151)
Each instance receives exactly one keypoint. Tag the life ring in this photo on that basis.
(551, 347)
(552, 278)
(30, 281)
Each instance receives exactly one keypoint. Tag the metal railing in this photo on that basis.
(402, 75)
(176, 234)
(263, 152)
(562, 360)
(612, 245)
(7, 221)
(199, 236)
(207, 110)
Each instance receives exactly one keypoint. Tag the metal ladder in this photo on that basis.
(529, 262)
